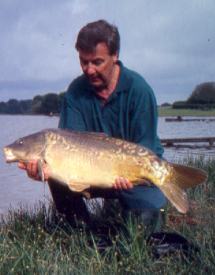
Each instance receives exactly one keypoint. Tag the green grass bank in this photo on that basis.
(169, 111)
(38, 241)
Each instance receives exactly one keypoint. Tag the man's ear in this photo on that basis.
(115, 57)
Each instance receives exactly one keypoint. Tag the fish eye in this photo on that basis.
(20, 141)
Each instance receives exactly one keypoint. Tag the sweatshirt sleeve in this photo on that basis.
(70, 116)
(144, 118)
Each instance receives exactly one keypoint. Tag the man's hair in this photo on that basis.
(98, 32)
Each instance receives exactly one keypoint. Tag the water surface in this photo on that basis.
(17, 189)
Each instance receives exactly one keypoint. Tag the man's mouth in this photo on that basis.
(94, 79)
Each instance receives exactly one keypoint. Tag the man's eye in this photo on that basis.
(97, 62)
(83, 62)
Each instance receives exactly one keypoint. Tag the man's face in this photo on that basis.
(98, 66)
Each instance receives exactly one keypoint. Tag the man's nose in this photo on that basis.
(90, 69)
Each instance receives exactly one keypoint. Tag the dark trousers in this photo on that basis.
(144, 201)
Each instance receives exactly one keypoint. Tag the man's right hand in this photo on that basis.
(31, 168)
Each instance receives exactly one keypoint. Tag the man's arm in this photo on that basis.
(70, 116)
(144, 119)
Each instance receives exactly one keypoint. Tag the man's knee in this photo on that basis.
(150, 219)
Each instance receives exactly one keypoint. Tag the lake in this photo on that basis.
(17, 189)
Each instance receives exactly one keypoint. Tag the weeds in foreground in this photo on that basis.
(40, 241)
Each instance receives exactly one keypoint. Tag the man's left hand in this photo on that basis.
(122, 184)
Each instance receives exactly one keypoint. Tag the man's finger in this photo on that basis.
(22, 165)
(31, 169)
(129, 184)
(117, 184)
(123, 183)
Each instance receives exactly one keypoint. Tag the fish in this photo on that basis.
(83, 160)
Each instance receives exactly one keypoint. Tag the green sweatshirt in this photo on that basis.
(130, 112)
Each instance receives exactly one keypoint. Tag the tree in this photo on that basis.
(47, 104)
(50, 104)
(3, 108)
(203, 94)
(166, 104)
(13, 107)
(25, 106)
(36, 106)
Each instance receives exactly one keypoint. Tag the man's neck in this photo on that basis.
(106, 92)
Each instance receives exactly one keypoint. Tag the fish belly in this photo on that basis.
(80, 167)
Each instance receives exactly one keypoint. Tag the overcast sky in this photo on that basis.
(171, 43)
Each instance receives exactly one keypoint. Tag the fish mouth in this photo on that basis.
(8, 160)
(9, 156)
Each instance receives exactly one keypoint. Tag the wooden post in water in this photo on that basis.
(174, 142)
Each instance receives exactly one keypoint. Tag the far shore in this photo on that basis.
(162, 112)
(169, 111)
(49, 115)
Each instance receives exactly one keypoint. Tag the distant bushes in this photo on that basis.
(185, 105)
(166, 104)
(14, 106)
(47, 104)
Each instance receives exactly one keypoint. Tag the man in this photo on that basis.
(112, 99)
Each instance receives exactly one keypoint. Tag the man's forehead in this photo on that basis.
(101, 49)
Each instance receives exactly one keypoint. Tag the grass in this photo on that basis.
(39, 241)
(169, 111)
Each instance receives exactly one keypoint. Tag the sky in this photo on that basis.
(170, 43)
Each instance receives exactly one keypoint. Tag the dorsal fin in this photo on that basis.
(100, 134)
(86, 133)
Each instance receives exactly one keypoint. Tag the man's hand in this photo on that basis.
(31, 168)
(122, 184)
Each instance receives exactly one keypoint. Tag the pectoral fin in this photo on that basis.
(40, 169)
(78, 186)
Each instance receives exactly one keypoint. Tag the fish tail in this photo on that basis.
(182, 177)
(186, 176)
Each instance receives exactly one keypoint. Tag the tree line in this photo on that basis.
(202, 97)
(47, 104)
